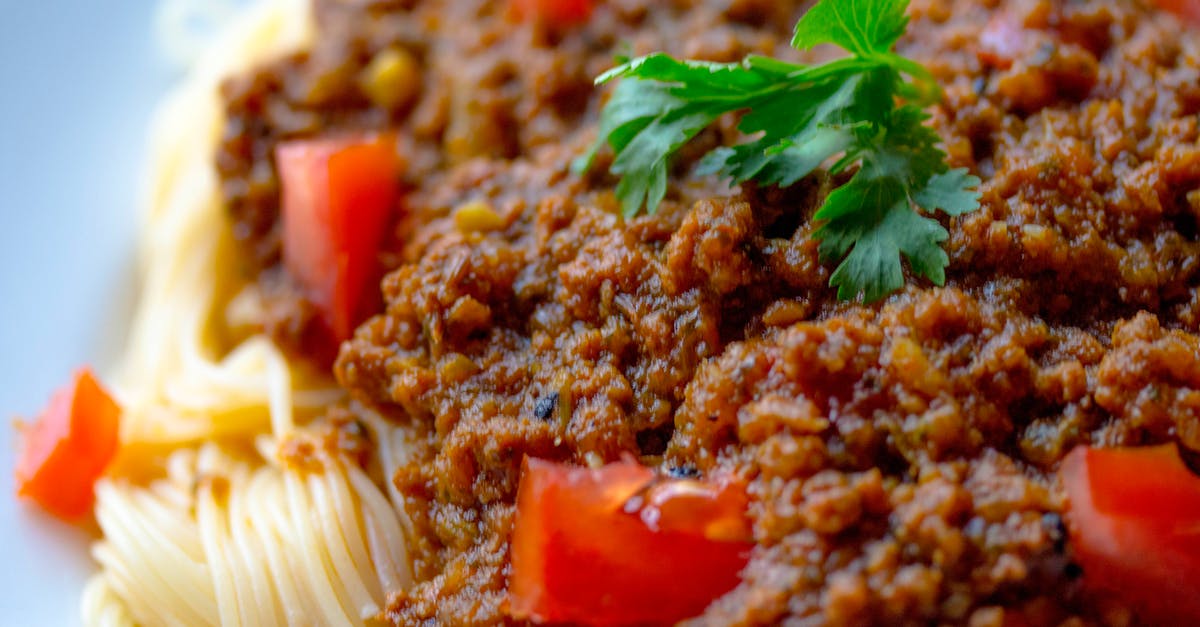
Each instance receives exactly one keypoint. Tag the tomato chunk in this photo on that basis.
(553, 12)
(68, 447)
(338, 194)
(620, 546)
(1134, 521)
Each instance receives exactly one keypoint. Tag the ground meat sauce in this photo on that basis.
(900, 456)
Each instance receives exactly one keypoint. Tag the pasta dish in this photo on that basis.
(607, 312)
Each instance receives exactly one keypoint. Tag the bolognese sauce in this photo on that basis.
(900, 458)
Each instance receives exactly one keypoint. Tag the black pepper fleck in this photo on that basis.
(683, 472)
(1056, 529)
(544, 407)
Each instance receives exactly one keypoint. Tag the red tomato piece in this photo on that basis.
(338, 194)
(1134, 521)
(68, 447)
(1189, 10)
(618, 546)
(553, 12)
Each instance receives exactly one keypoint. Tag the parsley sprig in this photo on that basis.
(866, 109)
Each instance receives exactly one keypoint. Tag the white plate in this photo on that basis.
(79, 80)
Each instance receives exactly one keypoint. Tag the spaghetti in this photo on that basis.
(204, 522)
(559, 414)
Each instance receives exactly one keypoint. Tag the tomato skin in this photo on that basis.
(553, 12)
(338, 194)
(583, 551)
(68, 447)
(1134, 521)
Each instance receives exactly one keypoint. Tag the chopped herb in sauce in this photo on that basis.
(865, 110)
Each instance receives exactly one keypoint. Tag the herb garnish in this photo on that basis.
(867, 108)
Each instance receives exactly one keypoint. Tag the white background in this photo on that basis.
(78, 80)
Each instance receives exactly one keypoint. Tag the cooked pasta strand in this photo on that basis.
(228, 533)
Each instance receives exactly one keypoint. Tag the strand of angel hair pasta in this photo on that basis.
(381, 521)
(148, 566)
(277, 512)
(266, 487)
(330, 598)
(345, 568)
(227, 538)
(257, 544)
(102, 603)
(389, 444)
(191, 115)
(391, 524)
(385, 537)
(257, 589)
(356, 516)
(175, 385)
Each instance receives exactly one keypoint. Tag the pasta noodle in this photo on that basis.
(204, 523)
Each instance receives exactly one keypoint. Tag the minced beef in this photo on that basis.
(900, 456)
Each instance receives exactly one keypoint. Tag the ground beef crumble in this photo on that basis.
(900, 456)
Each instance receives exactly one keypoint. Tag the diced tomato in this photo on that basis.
(621, 546)
(1186, 9)
(1134, 521)
(553, 12)
(68, 447)
(338, 194)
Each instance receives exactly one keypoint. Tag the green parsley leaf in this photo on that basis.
(864, 111)
(952, 191)
(861, 27)
(878, 238)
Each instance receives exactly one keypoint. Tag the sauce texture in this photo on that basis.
(900, 457)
